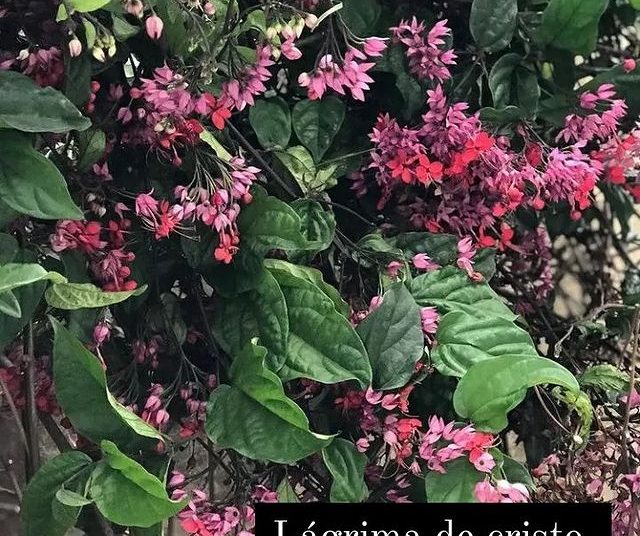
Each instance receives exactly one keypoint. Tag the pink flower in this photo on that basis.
(629, 65)
(374, 46)
(430, 319)
(289, 49)
(101, 333)
(154, 26)
(422, 262)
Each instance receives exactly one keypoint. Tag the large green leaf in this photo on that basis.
(30, 183)
(456, 485)
(450, 289)
(465, 339)
(268, 223)
(392, 335)
(491, 389)
(81, 389)
(127, 494)
(323, 346)
(492, 23)
(312, 276)
(346, 466)
(571, 24)
(37, 505)
(316, 123)
(261, 313)
(15, 275)
(318, 225)
(28, 107)
(271, 122)
(85, 295)
(256, 418)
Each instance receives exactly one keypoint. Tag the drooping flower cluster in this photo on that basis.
(105, 249)
(599, 116)
(44, 66)
(240, 91)
(165, 114)
(426, 51)
(502, 492)
(213, 201)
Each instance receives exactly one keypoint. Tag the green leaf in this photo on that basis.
(464, 339)
(457, 485)
(503, 116)
(318, 225)
(392, 335)
(268, 223)
(312, 276)
(28, 107)
(28, 297)
(323, 346)
(84, 6)
(527, 90)
(73, 296)
(605, 377)
(30, 183)
(579, 402)
(299, 163)
(493, 22)
(261, 313)
(92, 144)
(571, 24)
(316, 123)
(122, 30)
(254, 416)
(509, 378)
(127, 494)
(14, 275)
(501, 79)
(450, 289)
(286, 493)
(9, 304)
(361, 16)
(37, 505)
(71, 498)
(8, 248)
(346, 466)
(440, 247)
(81, 389)
(515, 472)
(271, 121)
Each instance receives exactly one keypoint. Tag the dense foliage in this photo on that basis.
(373, 250)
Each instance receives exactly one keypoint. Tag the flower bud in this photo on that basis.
(275, 53)
(75, 47)
(154, 26)
(629, 65)
(271, 33)
(311, 21)
(98, 54)
(209, 9)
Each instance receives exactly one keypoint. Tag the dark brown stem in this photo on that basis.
(635, 334)
(31, 413)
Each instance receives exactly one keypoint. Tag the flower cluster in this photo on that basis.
(213, 201)
(105, 249)
(426, 51)
(202, 518)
